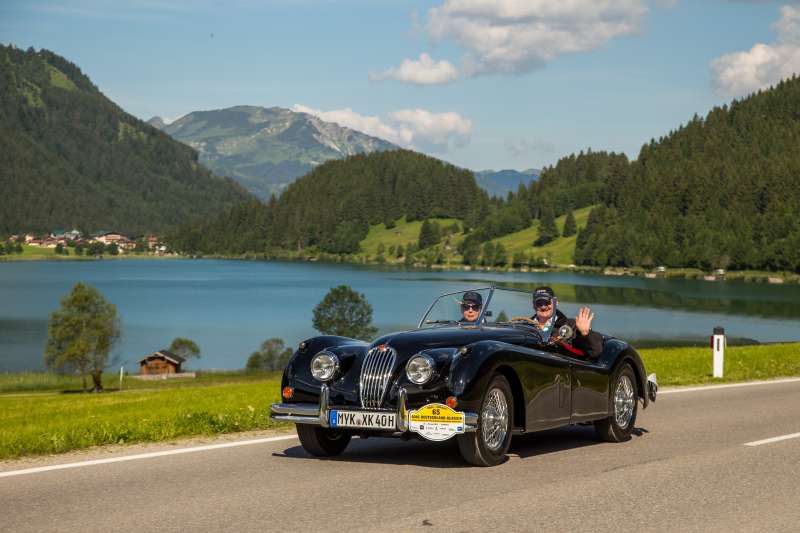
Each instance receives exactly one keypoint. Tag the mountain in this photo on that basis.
(70, 157)
(265, 149)
(331, 208)
(500, 183)
(157, 122)
(720, 192)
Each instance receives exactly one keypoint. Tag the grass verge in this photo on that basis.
(692, 366)
(33, 423)
(42, 423)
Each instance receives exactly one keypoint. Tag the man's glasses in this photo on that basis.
(543, 304)
(471, 307)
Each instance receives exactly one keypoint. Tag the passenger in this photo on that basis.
(471, 304)
(549, 319)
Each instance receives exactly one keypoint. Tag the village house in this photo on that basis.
(161, 362)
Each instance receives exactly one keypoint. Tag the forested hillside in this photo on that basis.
(330, 209)
(721, 192)
(70, 157)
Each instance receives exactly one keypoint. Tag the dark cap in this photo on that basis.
(472, 297)
(543, 294)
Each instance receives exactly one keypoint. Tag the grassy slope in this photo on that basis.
(560, 251)
(403, 233)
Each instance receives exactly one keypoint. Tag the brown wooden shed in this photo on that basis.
(161, 362)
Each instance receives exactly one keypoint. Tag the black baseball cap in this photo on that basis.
(543, 295)
(472, 297)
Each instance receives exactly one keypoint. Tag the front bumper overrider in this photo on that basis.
(318, 415)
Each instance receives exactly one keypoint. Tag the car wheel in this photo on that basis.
(622, 405)
(322, 442)
(488, 445)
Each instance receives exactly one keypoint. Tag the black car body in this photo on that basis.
(500, 377)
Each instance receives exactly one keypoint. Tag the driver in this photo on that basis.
(471, 304)
(549, 319)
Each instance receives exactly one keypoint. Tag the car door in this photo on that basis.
(548, 380)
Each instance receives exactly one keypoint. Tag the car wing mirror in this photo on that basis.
(487, 313)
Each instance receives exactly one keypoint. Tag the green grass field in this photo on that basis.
(52, 422)
(558, 252)
(691, 366)
(403, 233)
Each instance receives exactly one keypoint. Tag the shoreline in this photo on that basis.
(689, 273)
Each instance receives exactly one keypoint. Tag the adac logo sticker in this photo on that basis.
(436, 421)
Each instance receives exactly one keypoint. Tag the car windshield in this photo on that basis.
(474, 306)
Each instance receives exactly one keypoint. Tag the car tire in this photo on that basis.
(622, 405)
(489, 444)
(322, 442)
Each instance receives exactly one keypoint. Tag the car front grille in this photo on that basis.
(375, 373)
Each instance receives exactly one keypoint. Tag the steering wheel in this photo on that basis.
(525, 319)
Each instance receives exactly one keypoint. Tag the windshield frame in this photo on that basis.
(491, 289)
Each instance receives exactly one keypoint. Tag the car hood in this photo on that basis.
(413, 341)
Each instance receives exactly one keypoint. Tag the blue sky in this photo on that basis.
(502, 84)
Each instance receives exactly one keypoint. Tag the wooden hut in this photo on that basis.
(160, 362)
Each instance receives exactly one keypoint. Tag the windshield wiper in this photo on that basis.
(441, 321)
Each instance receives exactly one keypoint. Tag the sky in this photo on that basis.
(483, 84)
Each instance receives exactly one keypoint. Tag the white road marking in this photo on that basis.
(773, 439)
(144, 456)
(728, 386)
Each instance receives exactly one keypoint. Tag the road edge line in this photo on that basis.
(148, 455)
(700, 388)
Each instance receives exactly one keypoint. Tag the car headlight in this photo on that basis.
(324, 366)
(419, 369)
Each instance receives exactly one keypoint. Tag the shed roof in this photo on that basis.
(166, 354)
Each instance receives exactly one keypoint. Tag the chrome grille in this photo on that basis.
(375, 373)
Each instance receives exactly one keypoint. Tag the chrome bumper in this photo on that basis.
(317, 415)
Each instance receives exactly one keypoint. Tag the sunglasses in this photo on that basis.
(544, 303)
(471, 307)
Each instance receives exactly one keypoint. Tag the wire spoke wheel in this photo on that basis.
(495, 419)
(624, 401)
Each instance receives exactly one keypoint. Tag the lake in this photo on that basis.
(230, 307)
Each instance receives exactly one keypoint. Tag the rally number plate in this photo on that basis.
(361, 419)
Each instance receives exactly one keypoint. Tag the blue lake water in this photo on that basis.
(230, 307)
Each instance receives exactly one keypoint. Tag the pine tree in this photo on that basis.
(570, 227)
(547, 227)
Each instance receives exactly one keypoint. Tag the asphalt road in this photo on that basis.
(687, 469)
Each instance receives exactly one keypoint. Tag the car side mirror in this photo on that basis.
(565, 332)
(487, 313)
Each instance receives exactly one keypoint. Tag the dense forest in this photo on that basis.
(720, 192)
(70, 157)
(330, 208)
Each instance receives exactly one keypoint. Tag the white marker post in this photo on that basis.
(718, 348)
(121, 372)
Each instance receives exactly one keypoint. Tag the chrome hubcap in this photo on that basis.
(624, 402)
(494, 419)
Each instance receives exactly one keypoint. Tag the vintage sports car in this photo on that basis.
(480, 382)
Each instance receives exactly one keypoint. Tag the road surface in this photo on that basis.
(701, 460)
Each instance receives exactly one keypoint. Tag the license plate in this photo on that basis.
(362, 419)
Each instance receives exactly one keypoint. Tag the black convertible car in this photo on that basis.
(481, 382)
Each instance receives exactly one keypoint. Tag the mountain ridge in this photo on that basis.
(266, 148)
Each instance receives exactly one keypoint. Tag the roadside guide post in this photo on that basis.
(718, 348)
(121, 371)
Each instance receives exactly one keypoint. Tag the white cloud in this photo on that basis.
(517, 36)
(424, 71)
(411, 128)
(740, 73)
